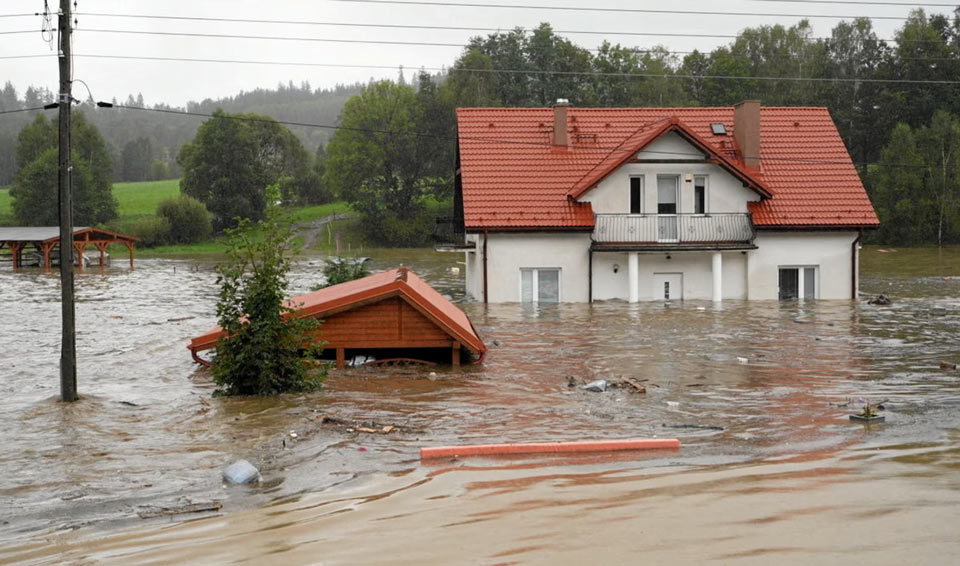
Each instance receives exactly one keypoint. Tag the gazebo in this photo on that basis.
(44, 239)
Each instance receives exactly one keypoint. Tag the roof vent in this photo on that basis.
(718, 129)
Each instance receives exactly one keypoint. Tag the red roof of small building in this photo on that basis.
(513, 178)
(352, 294)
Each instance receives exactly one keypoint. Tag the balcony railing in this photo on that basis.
(724, 228)
(449, 233)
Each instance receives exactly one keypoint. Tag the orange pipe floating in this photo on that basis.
(549, 447)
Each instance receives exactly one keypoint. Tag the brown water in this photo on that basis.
(759, 393)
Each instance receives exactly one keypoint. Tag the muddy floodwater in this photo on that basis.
(770, 470)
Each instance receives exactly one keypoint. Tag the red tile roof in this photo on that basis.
(374, 288)
(514, 179)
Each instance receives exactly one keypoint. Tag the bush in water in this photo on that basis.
(263, 350)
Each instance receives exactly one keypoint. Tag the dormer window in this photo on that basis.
(718, 129)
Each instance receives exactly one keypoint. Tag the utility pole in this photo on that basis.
(68, 342)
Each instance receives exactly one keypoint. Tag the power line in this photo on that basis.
(619, 10)
(450, 28)
(20, 31)
(615, 149)
(19, 15)
(26, 110)
(862, 2)
(528, 71)
(395, 26)
(27, 56)
(433, 44)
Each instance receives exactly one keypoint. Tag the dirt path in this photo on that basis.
(312, 230)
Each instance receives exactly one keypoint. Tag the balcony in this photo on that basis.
(674, 231)
(449, 235)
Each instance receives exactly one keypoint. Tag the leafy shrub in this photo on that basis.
(189, 220)
(342, 269)
(263, 349)
(152, 230)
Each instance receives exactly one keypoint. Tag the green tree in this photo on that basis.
(377, 159)
(264, 348)
(232, 160)
(898, 190)
(136, 159)
(35, 191)
(939, 144)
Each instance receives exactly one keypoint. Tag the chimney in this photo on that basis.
(746, 130)
(560, 122)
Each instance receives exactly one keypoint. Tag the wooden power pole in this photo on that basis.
(68, 347)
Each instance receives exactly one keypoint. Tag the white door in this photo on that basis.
(667, 209)
(667, 286)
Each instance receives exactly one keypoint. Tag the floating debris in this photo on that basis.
(947, 365)
(187, 508)
(882, 300)
(695, 426)
(241, 472)
(598, 386)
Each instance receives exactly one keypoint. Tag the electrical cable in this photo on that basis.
(447, 28)
(530, 71)
(49, 107)
(614, 149)
(434, 44)
(861, 3)
(620, 10)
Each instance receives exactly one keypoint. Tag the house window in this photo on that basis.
(667, 194)
(636, 195)
(799, 282)
(700, 194)
(540, 285)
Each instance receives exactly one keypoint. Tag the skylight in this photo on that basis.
(718, 129)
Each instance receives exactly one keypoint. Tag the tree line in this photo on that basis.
(893, 103)
(143, 145)
(393, 156)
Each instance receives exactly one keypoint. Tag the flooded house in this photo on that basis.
(569, 204)
(389, 317)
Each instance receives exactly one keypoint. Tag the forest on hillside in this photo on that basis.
(144, 145)
(896, 102)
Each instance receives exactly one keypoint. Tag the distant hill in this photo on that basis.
(122, 127)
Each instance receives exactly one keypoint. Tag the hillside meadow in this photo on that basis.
(137, 200)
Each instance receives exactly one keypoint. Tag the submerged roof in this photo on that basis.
(374, 288)
(513, 178)
(47, 233)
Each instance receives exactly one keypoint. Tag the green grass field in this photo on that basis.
(133, 199)
(141, 199)
(6, 210)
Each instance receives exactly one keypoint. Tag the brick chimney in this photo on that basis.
(560, 122)
(746, 130)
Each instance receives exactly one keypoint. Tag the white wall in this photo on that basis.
(510, 252)
(828, 250)
(725, 193)
(752, 276)
(670, 146)
(474, 268)
(695, 266)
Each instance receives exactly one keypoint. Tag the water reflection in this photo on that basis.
(747, 381)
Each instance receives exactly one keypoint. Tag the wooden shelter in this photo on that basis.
(45, 239)
(392, 315)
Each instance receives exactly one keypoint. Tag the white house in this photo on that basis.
(570, 204)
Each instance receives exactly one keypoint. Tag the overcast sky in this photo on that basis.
(177, 82)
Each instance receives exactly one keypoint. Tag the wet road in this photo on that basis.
(758, 393)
